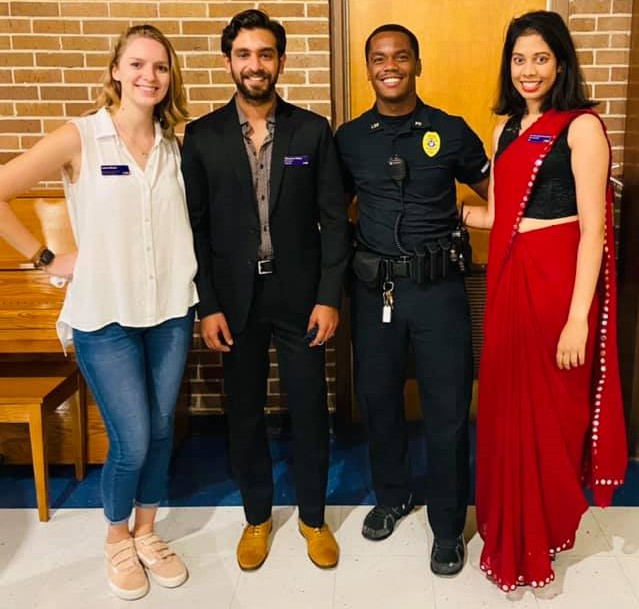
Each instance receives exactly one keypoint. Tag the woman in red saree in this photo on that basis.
(550, 418)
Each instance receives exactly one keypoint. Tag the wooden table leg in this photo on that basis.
(37, 433)
(79, 410)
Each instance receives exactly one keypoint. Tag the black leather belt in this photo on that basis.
(266, 266)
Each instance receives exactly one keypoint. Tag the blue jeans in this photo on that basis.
(135, 376)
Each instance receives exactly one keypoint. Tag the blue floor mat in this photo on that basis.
(200, 473)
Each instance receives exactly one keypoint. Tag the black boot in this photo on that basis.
(447, 556)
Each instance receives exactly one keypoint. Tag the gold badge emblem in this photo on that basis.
(431, 143)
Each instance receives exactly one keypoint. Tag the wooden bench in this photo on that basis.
(29, 399)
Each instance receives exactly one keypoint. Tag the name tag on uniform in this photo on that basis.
(115, 170)
(539, 139)
(297, 161)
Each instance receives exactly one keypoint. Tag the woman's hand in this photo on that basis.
(62, 265)
(571, 348)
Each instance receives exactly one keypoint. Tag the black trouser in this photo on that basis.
(435, 319)
(302, 376)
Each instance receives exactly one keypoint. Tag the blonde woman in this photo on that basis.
(129, 304)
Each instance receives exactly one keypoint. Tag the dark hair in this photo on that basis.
(569, 91)
(393, 27)
(253, 19)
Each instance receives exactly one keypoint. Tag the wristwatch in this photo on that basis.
(43, 257)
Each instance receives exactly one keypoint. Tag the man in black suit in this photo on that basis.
(267, 209)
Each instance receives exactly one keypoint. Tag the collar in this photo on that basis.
(106, 128)
(419, 121)
(270, 117)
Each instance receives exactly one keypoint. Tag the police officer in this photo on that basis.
(401, 159)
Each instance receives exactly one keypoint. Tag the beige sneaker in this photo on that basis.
(125, 574)
(166, 567)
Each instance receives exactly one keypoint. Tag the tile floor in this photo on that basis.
(59, 565)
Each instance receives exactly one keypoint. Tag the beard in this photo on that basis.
(263, 93)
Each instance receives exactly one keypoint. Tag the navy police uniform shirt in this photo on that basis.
(437, 148)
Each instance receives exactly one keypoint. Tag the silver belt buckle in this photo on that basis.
(265, 267)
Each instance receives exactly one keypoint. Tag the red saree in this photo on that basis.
(543, 433)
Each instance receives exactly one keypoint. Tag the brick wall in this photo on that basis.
(52, 54)
(601, 31)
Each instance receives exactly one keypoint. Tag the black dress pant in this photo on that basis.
(435, 319)
(303, 379)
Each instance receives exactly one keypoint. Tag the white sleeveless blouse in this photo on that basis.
(136, 261)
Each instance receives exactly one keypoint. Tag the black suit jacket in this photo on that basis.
(308, 218)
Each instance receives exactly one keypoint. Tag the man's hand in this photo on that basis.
(215, 332)
(326, 319)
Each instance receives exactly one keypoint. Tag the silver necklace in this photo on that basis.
(129, 139)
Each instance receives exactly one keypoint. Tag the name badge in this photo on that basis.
(115, 170)
(297, 161)
(539, 139)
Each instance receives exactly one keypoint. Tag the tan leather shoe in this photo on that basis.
(322, 547)
(253, 547)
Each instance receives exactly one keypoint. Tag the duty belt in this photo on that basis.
(396, 267)
(432, 263)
